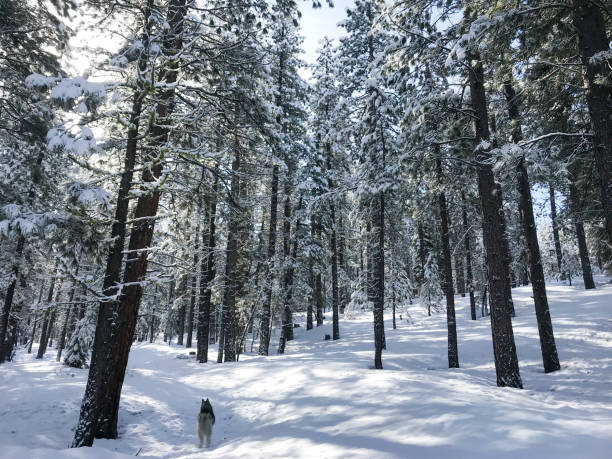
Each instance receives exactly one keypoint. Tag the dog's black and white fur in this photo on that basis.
(206, 420)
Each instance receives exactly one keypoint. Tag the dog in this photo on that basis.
(206, 420)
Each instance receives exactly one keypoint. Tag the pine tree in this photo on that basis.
(99, 410)
(431, 292)
(594, 50)
(77, 349)
(26, 119)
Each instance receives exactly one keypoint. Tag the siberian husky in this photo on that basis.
(206, 420)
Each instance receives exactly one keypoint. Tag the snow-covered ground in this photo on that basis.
(322, 399)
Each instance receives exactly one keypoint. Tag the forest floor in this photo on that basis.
(322, 399)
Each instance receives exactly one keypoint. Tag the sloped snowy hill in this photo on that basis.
(321, 399)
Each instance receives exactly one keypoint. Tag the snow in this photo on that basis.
(72, 88)
(47, 453)
(322, 399)
(601, 57)
(83, 146)
(36, 80)
(11, 211)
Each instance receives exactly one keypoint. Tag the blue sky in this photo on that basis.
(317, 23)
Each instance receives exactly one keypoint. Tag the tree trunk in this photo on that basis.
(334, 275)
(286, 314)
(421, 236)
(181, 322)
(555, 229)
(92, 399)
(587, 274)
(213, 334)
(287, 334)
(453, 353)
(221, 342)
(494, 237)
(576, 208)
(194, 287)
(538, 284)
(524, 279)
(36, 319)
(51, 329)
(459, 270)
(231, 265)
(505, 248)
(590, 26)
(342, 287)
(378, 276)
(44, 334)
(116, 350)
(319, 284)
(311, 278)
(62, 339)
(169, 316)
(12, 335)
(548, 347)
(334, 254)
(393, 304)
(152, 321)
(207, 276)
(15, 273)
(264, 326)
(42, 341)
(8, 298)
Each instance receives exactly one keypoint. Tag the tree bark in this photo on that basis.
(451, 323)
(264, 327)
(116, 350)
(587, 274)
(334, 275)
(231, 264)
(342, 287)
(44, 334)
(15, 275)
(393, 304)
(576, 207)
(62, 340)
(494, 236)
(421, 236)
(169, 316)
(505, 248)
(590, 26)
(334, 252)
(152, 319)
(378, 276)
(460, 279)
(286, 313)
(287, 334)
(311, 278)
(194, 288)
(180, 337)
(8, 298)
(207, 276)
(51, 330)
(319, 284)
(92, 399)
(221, 343)
(555, 228)
(468, 258)
(550, 358)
